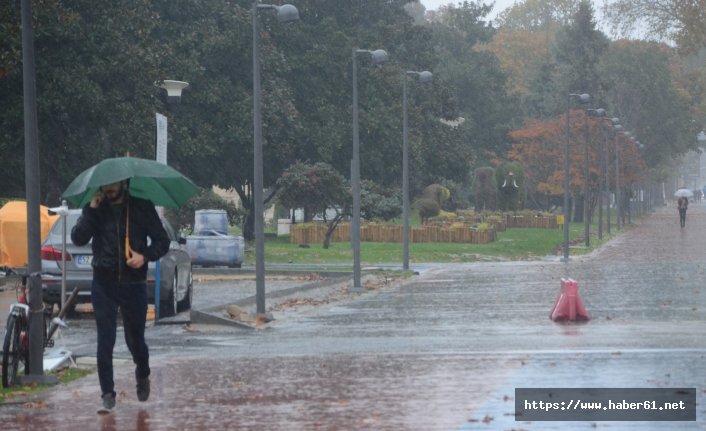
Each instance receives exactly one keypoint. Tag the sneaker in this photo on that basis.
(143, 388)
(108, 403)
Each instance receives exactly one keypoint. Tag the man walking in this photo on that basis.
(119, 226)
(682, 205)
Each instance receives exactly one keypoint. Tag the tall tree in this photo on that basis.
(95, 73)
(578, 53)
(539, 148)
(97, 63)
(683, 21)
(641, 91)
(537, 15)
(481, 88)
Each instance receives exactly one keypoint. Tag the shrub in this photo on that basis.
(427, 208)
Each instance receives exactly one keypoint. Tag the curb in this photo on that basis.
(216, 315)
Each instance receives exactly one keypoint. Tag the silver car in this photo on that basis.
(176, 281)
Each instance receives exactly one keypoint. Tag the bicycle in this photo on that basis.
(15, 348)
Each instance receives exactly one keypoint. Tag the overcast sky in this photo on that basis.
(500, 5)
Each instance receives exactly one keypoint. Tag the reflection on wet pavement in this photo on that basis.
(443, 351)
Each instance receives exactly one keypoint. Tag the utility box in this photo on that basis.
(283, 225)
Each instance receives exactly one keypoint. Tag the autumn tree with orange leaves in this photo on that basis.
(539, 147)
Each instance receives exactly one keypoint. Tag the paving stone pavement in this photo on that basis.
(442, 351)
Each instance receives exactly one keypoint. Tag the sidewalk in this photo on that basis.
(358, 363)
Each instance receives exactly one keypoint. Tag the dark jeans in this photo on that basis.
(106, 297)
(682, 216)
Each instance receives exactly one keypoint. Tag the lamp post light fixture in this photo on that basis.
(285, 14)
(174, 89)
(425, 76)
(583, 98)
(378, 56)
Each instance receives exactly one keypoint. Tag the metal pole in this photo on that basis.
(629, 198)
(618, 206)
(355, 183)
(258, 181)
(63, 256)
(607, 182)
(405, 177)
(566, 181)
(36, 317)
(601, 186)
(586, 213)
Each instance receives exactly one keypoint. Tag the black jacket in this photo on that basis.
(107, 228)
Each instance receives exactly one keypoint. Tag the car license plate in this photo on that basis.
(83, 259)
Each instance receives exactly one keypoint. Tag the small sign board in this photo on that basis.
(161, 156)
(560, 219)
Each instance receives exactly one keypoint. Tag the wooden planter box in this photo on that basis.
(531, 221)
(315, 233)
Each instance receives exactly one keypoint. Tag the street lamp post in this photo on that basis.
(605, 180)
(586, 200)
(600, 113)
(377, 56)
(174, 89)
(422, 77)
(614, 122)
(618, 131)
(622, 195)
(631, 188)
(643, 187)
(285, 13)
(31, 152)
(583, 98)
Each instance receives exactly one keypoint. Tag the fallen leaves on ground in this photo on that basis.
(236, 313)
(294, 302)
(35, 405)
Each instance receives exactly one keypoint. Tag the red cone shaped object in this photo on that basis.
(568, 305)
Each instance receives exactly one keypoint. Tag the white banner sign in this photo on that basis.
(161, 138)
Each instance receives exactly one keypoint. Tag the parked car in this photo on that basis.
(176, 280)
(211, 245)
(216, 250)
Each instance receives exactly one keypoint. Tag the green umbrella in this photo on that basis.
(149, 179)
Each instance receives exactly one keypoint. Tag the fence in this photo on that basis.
(315, 233)
(531, 221)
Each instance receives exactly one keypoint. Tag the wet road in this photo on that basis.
(443, 351)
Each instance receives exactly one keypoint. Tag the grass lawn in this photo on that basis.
(23, 393)
(513, 244)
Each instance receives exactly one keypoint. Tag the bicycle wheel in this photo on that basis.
(11, 352)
